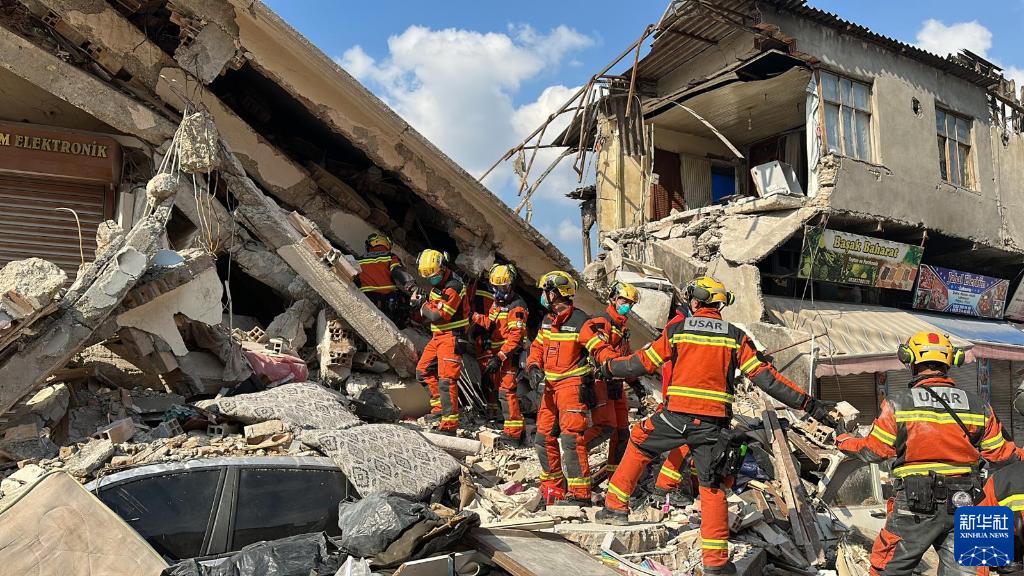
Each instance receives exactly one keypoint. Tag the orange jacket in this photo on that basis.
(705, 352)
(1005, 487)
(922, 436)
(564, 343)
(618, 335)
(507, 326)
(375, 272)
(443, 308)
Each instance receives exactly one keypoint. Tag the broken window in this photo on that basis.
(847, 116)
(954, 140)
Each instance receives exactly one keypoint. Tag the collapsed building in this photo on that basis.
(93, 94)
(186, 184)
(823, 172)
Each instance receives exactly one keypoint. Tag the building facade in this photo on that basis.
(850, 188)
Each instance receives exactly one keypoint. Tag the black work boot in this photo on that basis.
(727, 568)
(614, 517)
(568, 500)
(675, 498)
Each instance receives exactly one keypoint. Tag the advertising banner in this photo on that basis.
(833, 256)
(945, 290)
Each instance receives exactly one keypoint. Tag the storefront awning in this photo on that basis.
(852, 338)
(991, 338)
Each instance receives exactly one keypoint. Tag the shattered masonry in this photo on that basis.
(199, 302)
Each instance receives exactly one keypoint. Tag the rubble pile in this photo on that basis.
(141, 362)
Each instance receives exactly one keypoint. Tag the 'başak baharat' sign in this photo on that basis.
(945, 290)
(833, 256)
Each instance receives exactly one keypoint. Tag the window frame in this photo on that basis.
(944, 159)
(824, 103)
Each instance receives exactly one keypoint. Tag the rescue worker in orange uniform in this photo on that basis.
(705, 352)
(559, 360)
(934, 458)
(670, 475)
(483, 300)
(610, 418)
(1005, 487)
(506, 324)
(441, 363)
(382, 276)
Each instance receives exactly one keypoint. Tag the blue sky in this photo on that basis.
(475, 77)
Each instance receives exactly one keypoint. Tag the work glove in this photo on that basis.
(603, 371)
(492, 365)
(840, 439)
(536, 376)
(820, 411)
(588, 396)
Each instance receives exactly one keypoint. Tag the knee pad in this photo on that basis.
(421, 377)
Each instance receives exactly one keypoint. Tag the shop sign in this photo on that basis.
(833, 256)
(956, 292)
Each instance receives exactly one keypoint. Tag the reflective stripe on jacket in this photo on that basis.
(705, 353)
(565, 341)
(921, 436)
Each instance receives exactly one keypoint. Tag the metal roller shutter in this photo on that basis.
(966, 377)
(1001, 390)
(857, 389)
(1017, 375)
(31, 225)
(898, 379)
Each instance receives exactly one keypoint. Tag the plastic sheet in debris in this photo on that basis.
(302, 555)
(370, 525)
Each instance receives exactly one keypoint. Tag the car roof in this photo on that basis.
(305, 462)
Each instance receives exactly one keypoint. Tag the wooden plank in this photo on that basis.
(522, 523)
(804, 533)
(524, 553)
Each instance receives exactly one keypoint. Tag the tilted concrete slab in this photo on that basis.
(269, 222)
(748, 239)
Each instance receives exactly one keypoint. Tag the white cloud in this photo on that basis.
(936, 37)
(568, 231)
(458, 87)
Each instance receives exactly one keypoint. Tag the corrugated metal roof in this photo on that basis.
(690, 30)
(850, 329)
(947, 64)
(977, 330)
(685, 34)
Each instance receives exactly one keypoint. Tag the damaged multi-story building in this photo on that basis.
(309, 163)
(847, 186)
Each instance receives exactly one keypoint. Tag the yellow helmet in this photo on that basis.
(930, 347)
(378, 241)
(502, 275)
(431, 262)
(558, 280)
(624, 290)
(708, 290)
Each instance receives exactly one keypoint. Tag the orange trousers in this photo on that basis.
(504, 382)
(665, 431)
(670, 477)
(439, 368)
(562, 421)
(610, 422)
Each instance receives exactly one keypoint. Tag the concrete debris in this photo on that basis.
(89, 457)
(224, 312)
(26, 287)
